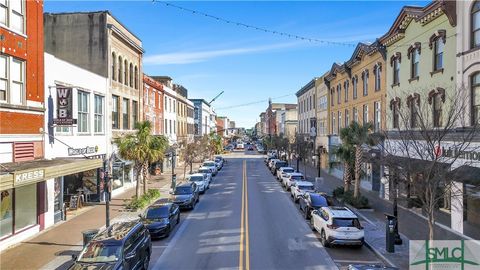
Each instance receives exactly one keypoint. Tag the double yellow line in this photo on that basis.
(244, 233)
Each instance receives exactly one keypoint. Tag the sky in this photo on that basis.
(208, 56)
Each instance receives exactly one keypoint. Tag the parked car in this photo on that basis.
(268, 159)
(186, 195)
(283, 171)
(207, 172)
(219, 160)
(240, 146)
(337, 226)
(290, 178)
(160, 219)
(272, 162)
(311, 201)
(211, 164)
(299, 188)
(125, 245)
(200, 180)
(277, 165)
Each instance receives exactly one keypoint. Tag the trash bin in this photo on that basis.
(88, 236)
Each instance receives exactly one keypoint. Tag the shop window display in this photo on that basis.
(118, 175)
(6, 213)
(25, 207)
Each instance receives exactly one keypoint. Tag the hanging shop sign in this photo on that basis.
(22, 178)
(82, 151)
(64, 107)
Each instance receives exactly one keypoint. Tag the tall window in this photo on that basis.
(114, 66)
(134, 112)
(355, 115)
(12, 14)
(131, 75)
(437, 110)
(377, 116)
(332, 96)
(345, 85)
(365, 82)
(115, 112)
(125, 112)
(125, 72)
(476, 24)
(413, 103)
(347, 118)
(12, 79)
(415, 59)
(339, 121)
(82, 111)
(170, 126)
(333, 123)
(355, 84)
(476, 98)
(136, 77)
(365, 114)
(120, 61)
(378, 74)
(98, 114)
(339, 93)
(395, 106)
(439, 47)
(166, 127)
(396, 70)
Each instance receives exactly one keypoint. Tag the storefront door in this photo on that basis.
(58, 199)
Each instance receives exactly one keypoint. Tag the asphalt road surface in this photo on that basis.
(246, 221)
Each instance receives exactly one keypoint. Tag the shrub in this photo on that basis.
(144, 200)
(347, 197)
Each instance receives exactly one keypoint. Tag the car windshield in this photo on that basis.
(297, 177)
(157, 212)
(100, 252)
(208, 164)
(288, 170)
(318, 201)
(196, 178)
(280, 164)
(204, 170)
(183, 191)
(305, 188)
(346, 222)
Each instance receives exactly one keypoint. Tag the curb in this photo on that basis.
(380, 255)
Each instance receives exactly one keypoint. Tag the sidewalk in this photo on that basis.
(411, 225)
(60, 241)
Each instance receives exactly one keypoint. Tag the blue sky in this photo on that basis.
(207, 56)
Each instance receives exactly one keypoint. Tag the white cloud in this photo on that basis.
(201, 56)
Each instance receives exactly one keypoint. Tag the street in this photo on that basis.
(246, 220)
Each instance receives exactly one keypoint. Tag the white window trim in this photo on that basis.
(9, 60)
(95, 114)
(87, 113)
(9, 11)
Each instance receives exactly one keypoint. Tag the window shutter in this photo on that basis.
(23, 151)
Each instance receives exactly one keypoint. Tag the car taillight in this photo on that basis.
(333, 227)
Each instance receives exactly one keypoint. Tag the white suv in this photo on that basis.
(288, 180)
(200, 180)
(299, 188)
(212, 165)
(283, 171)
(337, 226)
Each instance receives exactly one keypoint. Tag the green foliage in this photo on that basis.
(146, 199)
(347, 197)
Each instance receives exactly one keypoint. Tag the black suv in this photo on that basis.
(278, 165)
(161, 218)
(125, 245)
(312, 201)
(186, 195)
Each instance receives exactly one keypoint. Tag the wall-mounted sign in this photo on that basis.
(22, 178)
(452, 152)
(82, 151)
(64, 107)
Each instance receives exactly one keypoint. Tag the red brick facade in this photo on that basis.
(153, 107)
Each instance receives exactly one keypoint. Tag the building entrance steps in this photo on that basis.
(65, 238)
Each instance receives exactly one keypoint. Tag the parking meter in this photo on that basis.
(390, 233)
(174, 181)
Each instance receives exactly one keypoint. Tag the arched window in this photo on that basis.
(413, 102)
(120, 61)
(365, 82)
(345, 86)
(136, 77)
(435, 98)
(476, 98)
(476, 25)
(125, 76)
(131, 74)
(395, 107)
(339, 93)
(355, 84)
(114, 66)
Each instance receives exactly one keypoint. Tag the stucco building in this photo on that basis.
(322, 114)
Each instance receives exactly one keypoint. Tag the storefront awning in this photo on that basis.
(466, 174)
(16, 174)
(414, 165)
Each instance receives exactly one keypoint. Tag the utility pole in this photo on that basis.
(106, 189)
(319, 165)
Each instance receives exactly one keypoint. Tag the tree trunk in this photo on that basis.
(137, 178)
(191, 167)
(184, 169)
(346, 177)
(358, 168)
(431, 224)
(144, 174)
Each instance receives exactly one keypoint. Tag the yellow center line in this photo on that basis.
(247, 237)
(244, 259)
(240, 267)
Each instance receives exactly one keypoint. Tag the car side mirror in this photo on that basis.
(74, 257)
(130, 255)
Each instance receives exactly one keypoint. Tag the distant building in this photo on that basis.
(203, 114)
(153, 104)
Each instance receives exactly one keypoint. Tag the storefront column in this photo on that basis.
(456, 200)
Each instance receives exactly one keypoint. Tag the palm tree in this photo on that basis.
(142, 148)
(346, 153)
(360, 136)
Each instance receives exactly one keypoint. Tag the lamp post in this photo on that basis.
(319, 164)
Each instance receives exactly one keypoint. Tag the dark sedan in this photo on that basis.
(186, 195)
(160, 219)
(311, 201)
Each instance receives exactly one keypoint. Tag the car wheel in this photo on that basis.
(146, 261)
(324, 240)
